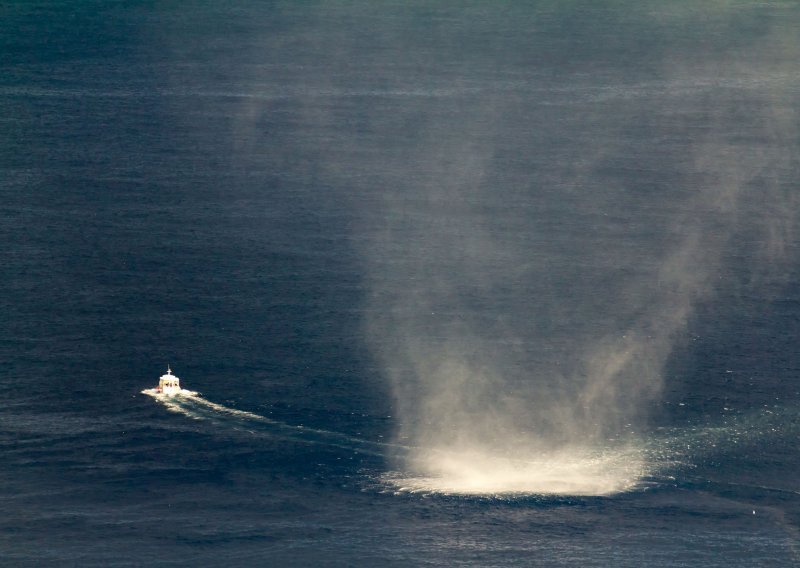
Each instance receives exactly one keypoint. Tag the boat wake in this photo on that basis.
(192, 405)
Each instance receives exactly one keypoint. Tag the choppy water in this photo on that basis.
(271, 196)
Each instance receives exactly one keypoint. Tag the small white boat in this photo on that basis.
(169, 384)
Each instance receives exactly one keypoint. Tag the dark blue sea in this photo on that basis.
(455, 283)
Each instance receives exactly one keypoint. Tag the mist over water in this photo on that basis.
(524, 306)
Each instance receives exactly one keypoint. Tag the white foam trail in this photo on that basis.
(194, 406)
(174, 404)
(171, 402)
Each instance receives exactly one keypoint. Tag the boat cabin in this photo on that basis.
(169, 383)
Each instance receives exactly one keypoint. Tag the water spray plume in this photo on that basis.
(525, 344)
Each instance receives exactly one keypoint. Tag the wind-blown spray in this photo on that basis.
(526, 326)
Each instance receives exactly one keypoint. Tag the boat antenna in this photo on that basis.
(169, 371)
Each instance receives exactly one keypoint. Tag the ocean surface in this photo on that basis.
(457, 283)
